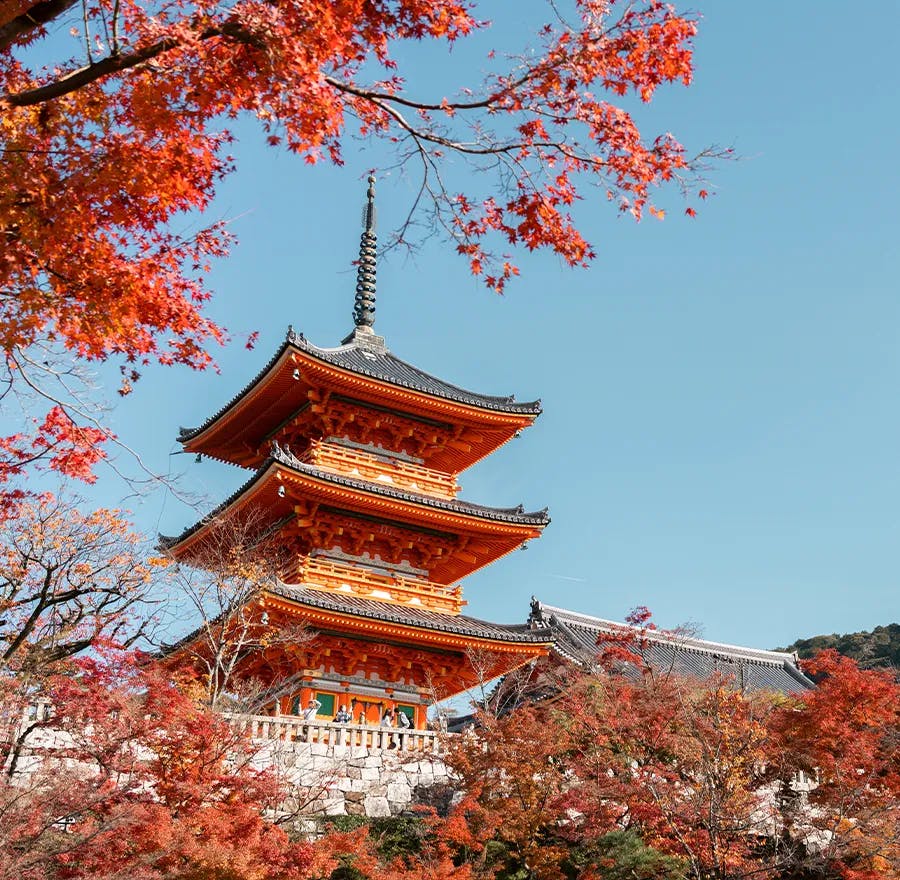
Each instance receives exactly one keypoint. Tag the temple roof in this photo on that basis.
(511, 515)
(456, 624)
(366, 355)
(387, 612)
(576, 636)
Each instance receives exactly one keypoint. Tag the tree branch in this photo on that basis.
(83, 76)
(37, 16)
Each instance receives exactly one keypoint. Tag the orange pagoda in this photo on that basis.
(354, 456)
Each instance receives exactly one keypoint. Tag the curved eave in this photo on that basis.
(388, 622)
(425, 629)
(517, 516)
(429, 396)
(365, 496)
(403, 375)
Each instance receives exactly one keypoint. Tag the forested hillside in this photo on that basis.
(878, 648)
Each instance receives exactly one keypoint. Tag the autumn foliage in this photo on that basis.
(624, 775)
(67, 579)
(137, 780)
(113, 144)
(688, 778)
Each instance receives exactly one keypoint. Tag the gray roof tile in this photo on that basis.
(459, 624)
(576, 637)
(514, 515)
(376, 362)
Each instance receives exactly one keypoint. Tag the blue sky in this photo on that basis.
(721, 427)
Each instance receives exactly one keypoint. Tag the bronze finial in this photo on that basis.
(364, 306)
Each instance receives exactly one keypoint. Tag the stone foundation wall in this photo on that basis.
(347, 781)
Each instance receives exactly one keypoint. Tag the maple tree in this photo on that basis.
(643, 771)
(122, 138)
(223, 591)
(67, 579)
(845, 735)
(137, 779)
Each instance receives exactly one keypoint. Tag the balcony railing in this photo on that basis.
(289, 729)
(370, 585)
(380, 469)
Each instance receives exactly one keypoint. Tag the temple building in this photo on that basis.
(578, 638)
(354, 456)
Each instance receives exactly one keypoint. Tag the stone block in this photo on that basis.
(336, 807)
(370, 773)
(353, 773)
(399, 793)
(373, 761)
(356, 809)
(358, 785)
(412, 767)
(318, 748)
(354, 797)
(345, 784)
(377, 807)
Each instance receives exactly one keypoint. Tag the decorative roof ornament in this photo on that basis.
(364, 306)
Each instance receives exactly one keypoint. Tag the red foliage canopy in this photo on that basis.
(105, 150)
(139, 781)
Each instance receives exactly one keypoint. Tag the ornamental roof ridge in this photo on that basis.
(576, 637)
(686, 642)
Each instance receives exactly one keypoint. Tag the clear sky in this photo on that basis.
(721, 428)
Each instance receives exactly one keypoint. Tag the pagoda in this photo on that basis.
(354, 456)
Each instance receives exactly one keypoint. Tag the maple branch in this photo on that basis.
(80, 413)
(37, 16)
(375, 96)
(83, 76)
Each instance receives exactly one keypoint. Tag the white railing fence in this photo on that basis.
(289, 728)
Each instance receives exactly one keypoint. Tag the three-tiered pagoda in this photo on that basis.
(355, 456)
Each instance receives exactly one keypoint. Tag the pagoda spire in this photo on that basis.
(364, 306)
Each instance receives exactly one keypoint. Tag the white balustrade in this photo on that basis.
(291, 729)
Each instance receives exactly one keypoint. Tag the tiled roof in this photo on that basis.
(576, 637)
(514, 515)
(377, 362)
(372, 359)
(388, 612)
(458, 624)
(517, 515)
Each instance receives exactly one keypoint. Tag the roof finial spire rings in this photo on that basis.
(364, 305)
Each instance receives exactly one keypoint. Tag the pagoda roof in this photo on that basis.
(281, 458)
(366, 355)
(453, 624)
(579, 637)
